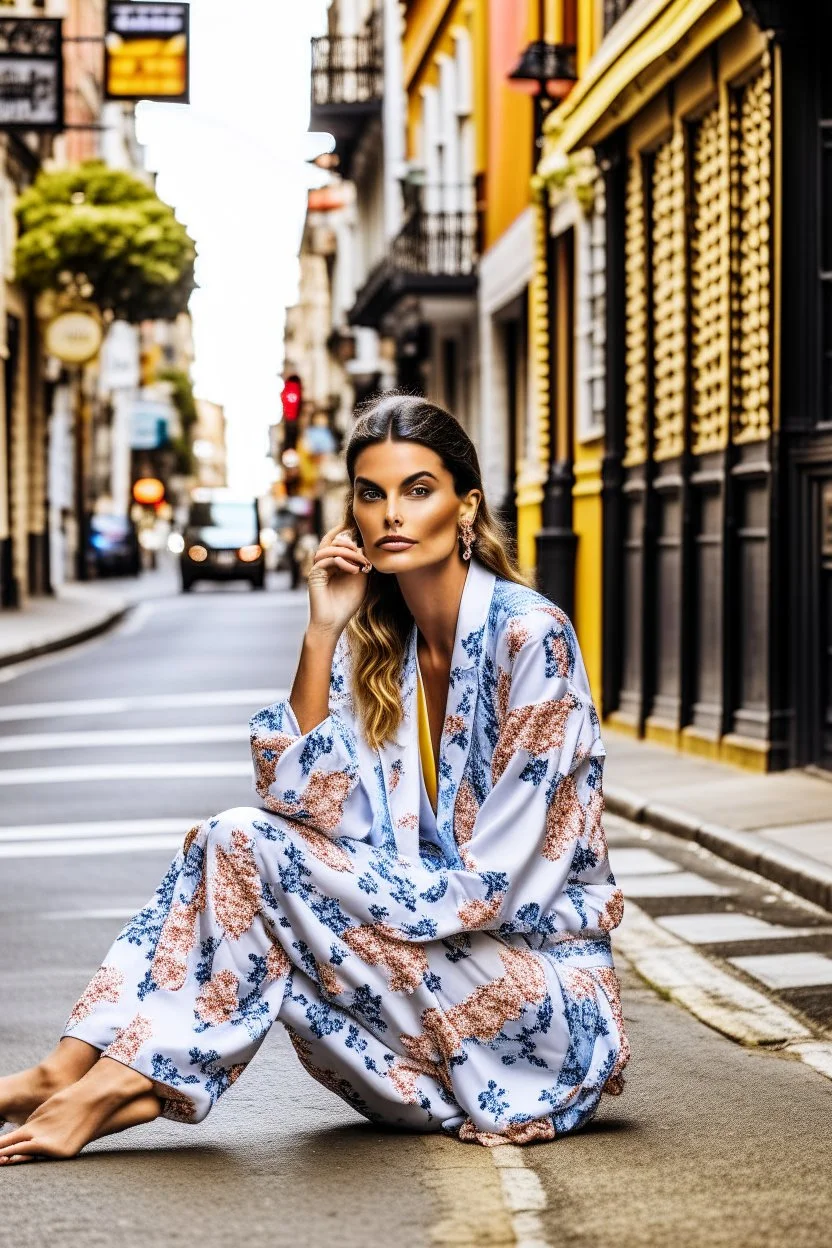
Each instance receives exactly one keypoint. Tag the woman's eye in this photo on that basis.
(422, 487)
(365, 494)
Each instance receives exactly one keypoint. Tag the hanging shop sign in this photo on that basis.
(74, 337)
(146, 52)
(31, 73)
(149, 422)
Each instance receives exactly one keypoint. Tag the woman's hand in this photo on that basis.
(336, 582)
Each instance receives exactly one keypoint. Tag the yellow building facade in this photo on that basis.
(661, 184)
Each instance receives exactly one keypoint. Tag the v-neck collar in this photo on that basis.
(400, 762)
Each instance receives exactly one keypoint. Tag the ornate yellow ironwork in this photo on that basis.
(635, 330)
(539, 329)
(669, 355)
(710, 284)
(750, 154)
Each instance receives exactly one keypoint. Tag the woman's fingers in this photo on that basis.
(342, 551)
(339, 562)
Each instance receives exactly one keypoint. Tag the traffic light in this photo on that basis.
(292, 397)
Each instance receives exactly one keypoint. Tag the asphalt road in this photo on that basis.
(712, 1144)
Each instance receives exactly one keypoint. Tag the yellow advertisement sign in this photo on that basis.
(147, 52)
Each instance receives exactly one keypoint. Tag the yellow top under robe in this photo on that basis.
(425, 744)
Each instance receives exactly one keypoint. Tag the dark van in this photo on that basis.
(222, 540)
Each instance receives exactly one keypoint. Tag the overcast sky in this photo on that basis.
(233, 165)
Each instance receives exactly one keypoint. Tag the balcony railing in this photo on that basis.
(439, 243)
(434, 253)
(347, 69)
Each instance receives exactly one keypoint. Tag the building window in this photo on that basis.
(590, 332)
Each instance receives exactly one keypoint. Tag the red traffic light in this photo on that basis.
(291, 397)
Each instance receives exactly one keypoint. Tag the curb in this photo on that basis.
(63, 642)
(797, 872)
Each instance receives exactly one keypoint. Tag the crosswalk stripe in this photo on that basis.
(124, 771)
(117, 845)
(206, 735)
(152, 702)
(95, 831)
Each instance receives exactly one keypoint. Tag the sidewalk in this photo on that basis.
(76, 612)
(779, 825)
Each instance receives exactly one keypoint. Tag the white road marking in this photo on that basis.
(626, 861)
(123, 771)
(714, 929)
(59, 849)
(524, 1195)
(210, 734)
(787, 970)
(28, 833)
(815, 1053)
(680, 884)
(150, 702)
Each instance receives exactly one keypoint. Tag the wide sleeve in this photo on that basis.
(314, 777)
(533, 847)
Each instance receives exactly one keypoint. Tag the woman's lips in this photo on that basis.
(396, 545)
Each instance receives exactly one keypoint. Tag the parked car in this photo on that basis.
(221, 540)
(114, 546)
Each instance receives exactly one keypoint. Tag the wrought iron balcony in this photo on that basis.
(435, 253)
(347, 86)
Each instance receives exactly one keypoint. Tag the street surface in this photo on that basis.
(110, 751)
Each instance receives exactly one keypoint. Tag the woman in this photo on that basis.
(425, 902)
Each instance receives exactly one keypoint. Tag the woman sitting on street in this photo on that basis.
(424, 900)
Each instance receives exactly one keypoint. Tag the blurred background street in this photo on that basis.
(598, 231)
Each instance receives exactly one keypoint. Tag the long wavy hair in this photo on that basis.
(377, 634)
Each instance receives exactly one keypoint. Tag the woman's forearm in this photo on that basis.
(309, 698)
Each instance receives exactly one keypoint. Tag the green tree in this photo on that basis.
(105, 236)
(182, 394)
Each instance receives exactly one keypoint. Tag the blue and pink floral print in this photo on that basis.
(439, 972)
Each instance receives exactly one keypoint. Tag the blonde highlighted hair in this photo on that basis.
(377, 634)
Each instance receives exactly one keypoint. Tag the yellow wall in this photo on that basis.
(587, 523)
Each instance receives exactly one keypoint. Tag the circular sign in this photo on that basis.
(148, 490)
(74, 337)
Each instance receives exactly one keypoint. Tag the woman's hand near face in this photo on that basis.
(336, 582)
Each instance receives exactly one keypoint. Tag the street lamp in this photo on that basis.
(542, 63)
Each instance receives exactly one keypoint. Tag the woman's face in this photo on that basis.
(403, 489)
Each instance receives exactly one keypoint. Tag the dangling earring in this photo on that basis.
(466, 531)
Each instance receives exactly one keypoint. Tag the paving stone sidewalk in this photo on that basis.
(76, 612)
(779, 825)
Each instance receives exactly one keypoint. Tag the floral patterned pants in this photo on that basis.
(472, 1035)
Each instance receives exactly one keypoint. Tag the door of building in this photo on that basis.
(9, 587)
(825, 630)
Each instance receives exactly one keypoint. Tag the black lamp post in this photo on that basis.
(556, 543)
(543, 63)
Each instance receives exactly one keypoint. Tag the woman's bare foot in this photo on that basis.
(73, 1117)
(22, 1094)
(143, 1108)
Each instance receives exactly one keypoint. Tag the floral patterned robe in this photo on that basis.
(439, 972)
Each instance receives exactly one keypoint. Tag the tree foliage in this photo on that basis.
(104, 236)
(182, 395)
